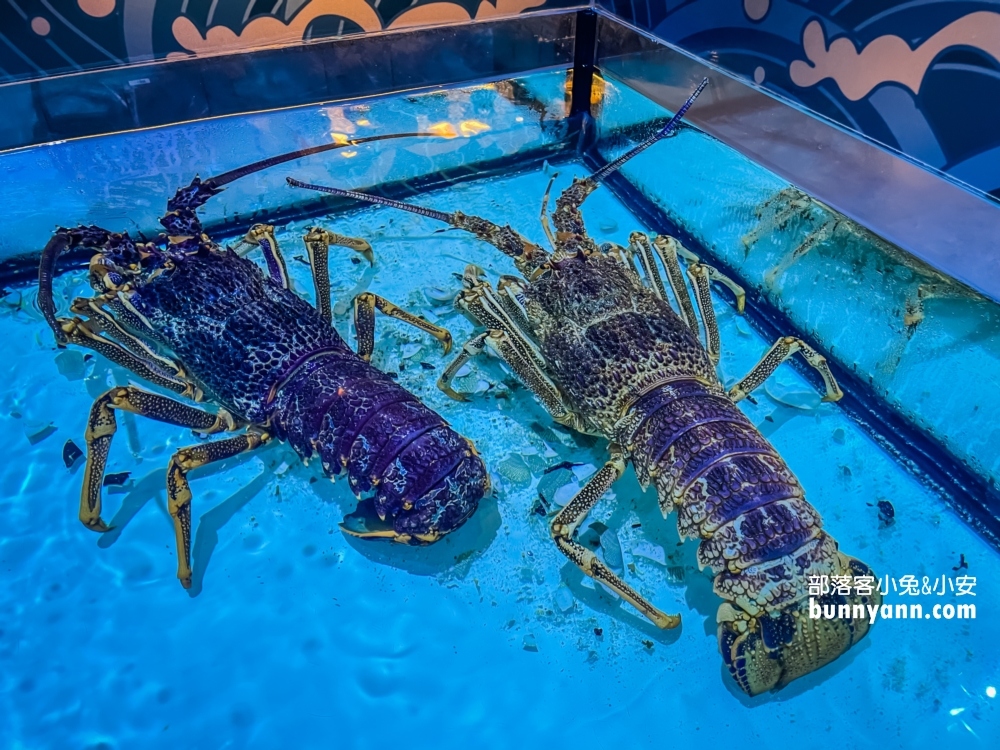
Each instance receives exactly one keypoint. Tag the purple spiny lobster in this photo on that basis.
(606, 354)
(198, 320)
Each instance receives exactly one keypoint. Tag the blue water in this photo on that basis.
(296, 636)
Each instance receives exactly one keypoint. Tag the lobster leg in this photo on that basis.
(700, 278)
(365, 305)
(472, 348)
(702, 275)
(566, 522)
(101, 427)
(545, 212)
(783, 349)
(667, 248)
(93, 308)
(510, 294)
(527, 371)
(639, 244)
(318, 241)
(179, 491)
(498, 312)
(262, 235)
(80, 332)
(738, 291)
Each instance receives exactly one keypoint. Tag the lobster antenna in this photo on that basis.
(46, 270)
(526, 254)
(234, 174)
(377, 199)
(667, 129)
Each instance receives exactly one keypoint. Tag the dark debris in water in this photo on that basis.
(116, 480)
(962, 563)
(37, 436)
(886, 513)
(561, 465)
(427, 365)
(591, 537)
(71, 453)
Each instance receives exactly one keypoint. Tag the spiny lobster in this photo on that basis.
(199, 320)
(607, 355)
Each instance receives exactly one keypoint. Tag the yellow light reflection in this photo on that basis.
(363, 122)
(472, 127)
(444, 129)
(597, 90)
(348, 154)
(340, 138)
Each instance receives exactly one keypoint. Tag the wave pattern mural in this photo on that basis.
(46, 37)
(920, 76)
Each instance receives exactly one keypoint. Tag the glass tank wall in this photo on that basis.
(294, 634)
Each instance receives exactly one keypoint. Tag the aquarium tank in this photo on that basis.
(485, 377)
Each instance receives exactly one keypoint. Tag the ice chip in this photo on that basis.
(793, 396)
(650, 551)
(437, 295)
(564, 598)
(565, 493)
(612, 549)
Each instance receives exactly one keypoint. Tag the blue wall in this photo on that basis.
(922, 76)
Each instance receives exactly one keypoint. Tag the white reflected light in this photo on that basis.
(991, 692)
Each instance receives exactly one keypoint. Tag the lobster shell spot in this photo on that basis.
(778, 631)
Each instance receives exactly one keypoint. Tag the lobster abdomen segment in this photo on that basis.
(729, 486)
(427, 478)
(759, 536)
